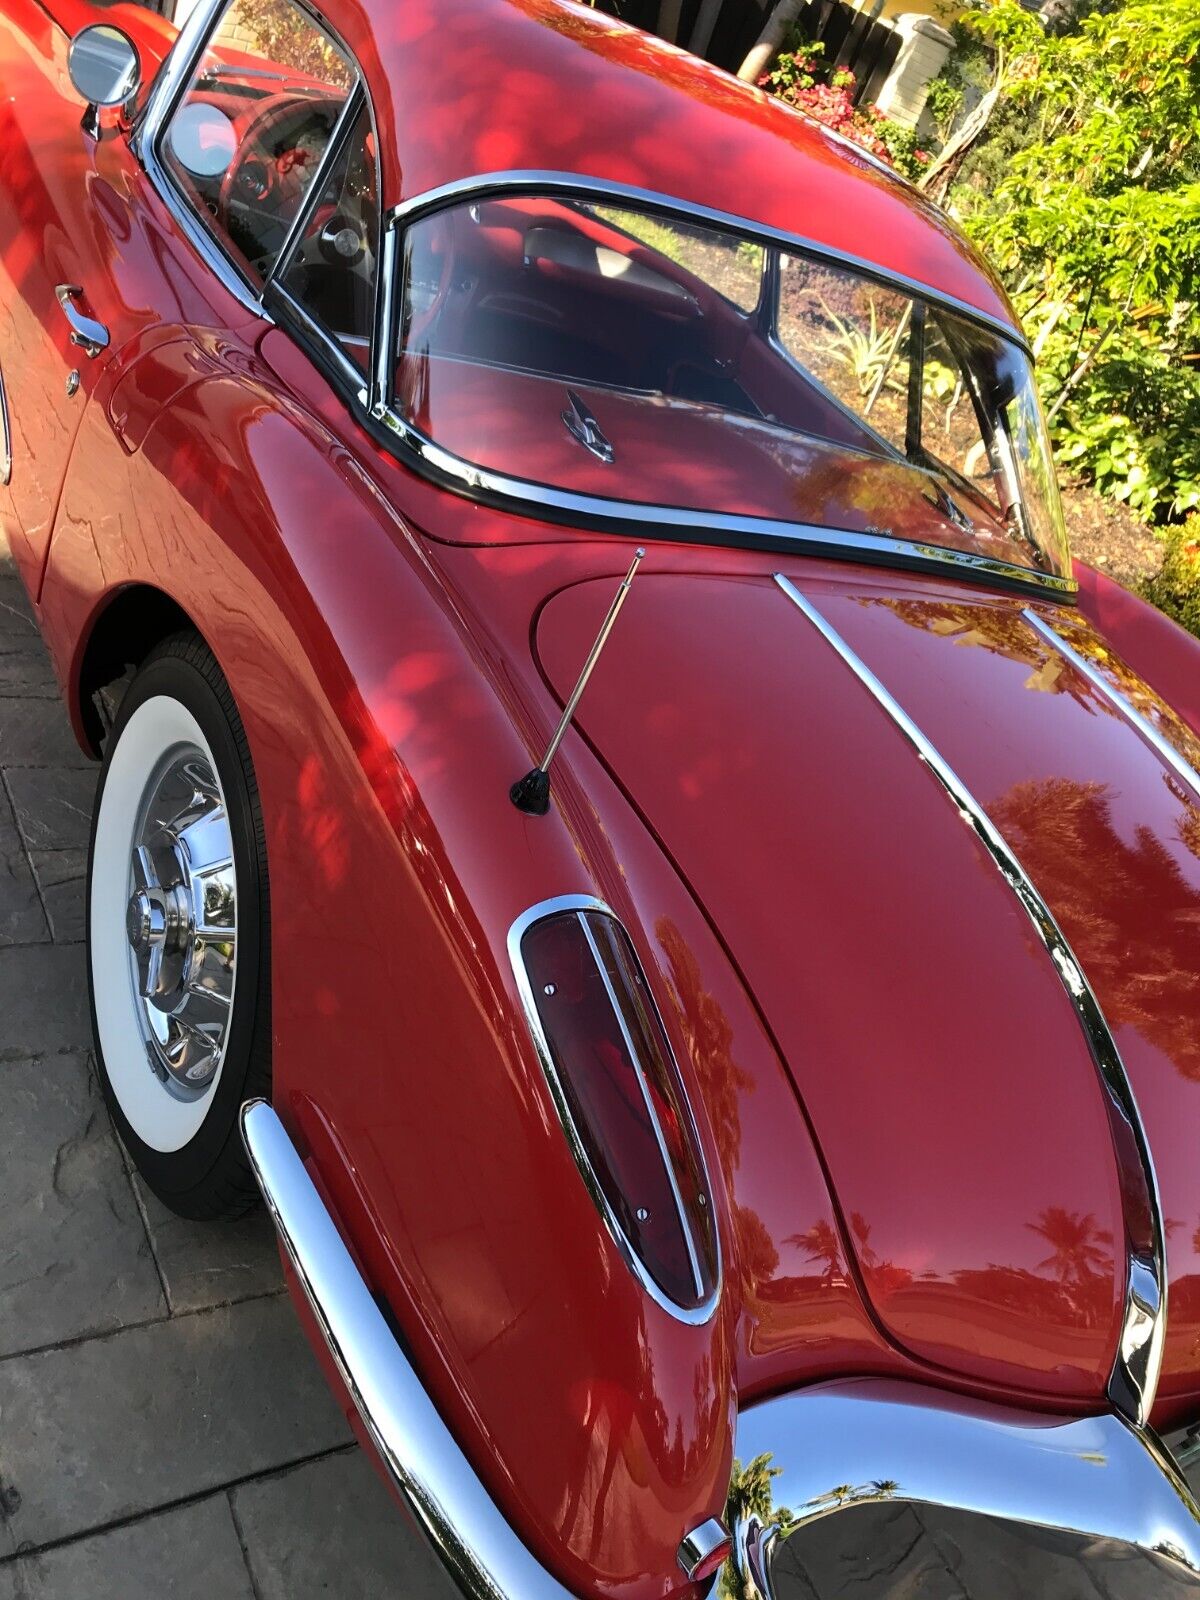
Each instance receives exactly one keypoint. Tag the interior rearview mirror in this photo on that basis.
(104, 65)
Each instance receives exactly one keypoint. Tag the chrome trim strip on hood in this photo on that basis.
(466, 1531)
(866, 1441)
(1134, 1379)
(1182, 769)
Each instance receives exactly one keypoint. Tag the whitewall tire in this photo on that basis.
(177, 923)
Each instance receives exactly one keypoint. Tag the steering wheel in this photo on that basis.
(259, 180)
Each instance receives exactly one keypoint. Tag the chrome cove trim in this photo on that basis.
(538, 913)
(1134, 1379)
(536, 181)
(865, 1441)
(474, 1542)
(1162, 746)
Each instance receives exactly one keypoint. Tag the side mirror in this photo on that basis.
(105, 69)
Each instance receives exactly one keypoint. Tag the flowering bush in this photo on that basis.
(1176, 589)
(801, 79)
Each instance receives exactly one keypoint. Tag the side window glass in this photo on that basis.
(331, 269)
(853, 336)
(244, 141)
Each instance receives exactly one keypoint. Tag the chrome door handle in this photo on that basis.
(91, 336)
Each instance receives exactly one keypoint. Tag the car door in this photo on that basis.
(60, 224)
(157, 234)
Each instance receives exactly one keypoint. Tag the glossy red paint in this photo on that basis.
(862, 1023)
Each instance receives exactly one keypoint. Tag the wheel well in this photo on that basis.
(122, 636)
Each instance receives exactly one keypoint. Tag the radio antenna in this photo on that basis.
(532, 793)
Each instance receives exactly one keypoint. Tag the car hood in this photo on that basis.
(957, 1106)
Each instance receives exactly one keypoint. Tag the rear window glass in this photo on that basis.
(637, 357)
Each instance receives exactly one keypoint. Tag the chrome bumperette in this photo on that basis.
(1182, 769)
(859, 1443)
(538, 913)
(485, 184)
(1134, 1379)
(469, 1535)
(841, 1446)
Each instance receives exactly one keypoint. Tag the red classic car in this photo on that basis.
(711, 1067)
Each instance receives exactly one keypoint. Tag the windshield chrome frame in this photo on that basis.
(525, 497)
(172, 82)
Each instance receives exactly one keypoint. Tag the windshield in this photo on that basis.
(636, 357)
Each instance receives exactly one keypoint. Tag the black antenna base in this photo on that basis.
(532, 793)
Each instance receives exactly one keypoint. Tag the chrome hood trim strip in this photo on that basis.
(1182, 769)
(473, 1540)
(1134, 1379)
(867, 1441)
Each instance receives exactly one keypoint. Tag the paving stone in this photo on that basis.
(53, 805)
(43, 1000)
(34, 733)
(25, 667)
(873, 1553)
(191, 1553)
(22, 920)
(331, 1529)
(62, 878)
(135, 1421)
(74, 1258)
(212, 1263)
(16, 614)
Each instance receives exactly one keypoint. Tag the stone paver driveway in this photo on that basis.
(164, 1429)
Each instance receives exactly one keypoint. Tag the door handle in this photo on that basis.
(91, 336)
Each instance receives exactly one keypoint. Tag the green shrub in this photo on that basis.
(1176, 588)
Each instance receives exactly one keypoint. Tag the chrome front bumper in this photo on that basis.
(1102, 1493)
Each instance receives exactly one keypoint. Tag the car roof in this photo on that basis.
(467, 87)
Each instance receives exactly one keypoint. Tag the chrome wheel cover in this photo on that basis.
(181, 922)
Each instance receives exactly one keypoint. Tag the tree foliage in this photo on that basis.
(1094, 222)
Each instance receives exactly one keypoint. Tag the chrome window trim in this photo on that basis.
(340, 132)
(5, 437)
(537, 181)
(676, 523)
(1157, 741)
(169, 86)
(698, 1315)
(863, 1441)
(350, 374)
(524, 498)
(1134, 1379)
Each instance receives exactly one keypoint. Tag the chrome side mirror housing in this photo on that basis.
(105, 68)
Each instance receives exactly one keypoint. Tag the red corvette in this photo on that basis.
(760, 1086)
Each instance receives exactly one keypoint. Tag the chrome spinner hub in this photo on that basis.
(181, 922)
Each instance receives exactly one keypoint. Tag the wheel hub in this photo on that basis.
(181, 922)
